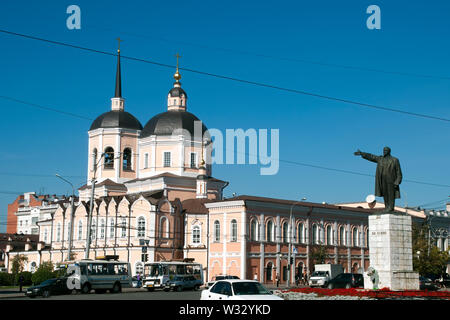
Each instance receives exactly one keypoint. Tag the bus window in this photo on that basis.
(83, 269)
(89, 269)
(172, 269)
(111, 269)
(189, 270)
(181, 269)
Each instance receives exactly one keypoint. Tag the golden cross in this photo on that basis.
(119, 40)
(178, 56)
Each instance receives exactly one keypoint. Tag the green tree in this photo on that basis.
(318, 254)
(427, 258)
(18, 263)
(44, 272)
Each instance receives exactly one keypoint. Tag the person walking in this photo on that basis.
(305, 278)
(21, 280)
(278, 280)
(138, 276)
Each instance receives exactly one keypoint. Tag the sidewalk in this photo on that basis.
(12, 293)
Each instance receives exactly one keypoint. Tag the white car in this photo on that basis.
(234, 289)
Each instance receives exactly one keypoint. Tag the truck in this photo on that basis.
(324, 273)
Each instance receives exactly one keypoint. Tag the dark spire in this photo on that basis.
(118, 93)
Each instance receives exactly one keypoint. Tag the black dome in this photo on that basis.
(177, 92)
(165, 123)
(116, 119)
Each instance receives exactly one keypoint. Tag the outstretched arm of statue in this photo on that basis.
(367, 156)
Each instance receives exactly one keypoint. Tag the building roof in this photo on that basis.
(107, 182)
(167, 122)
(196, 205)
(301, 203)
(171, 175)
(116, 119)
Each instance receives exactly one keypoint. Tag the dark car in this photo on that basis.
(346, 280)
(49, 287)
(427, 284)
(180, 283)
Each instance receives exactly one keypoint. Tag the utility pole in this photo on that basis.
(91, 208)
(291, 235)
(69, 250)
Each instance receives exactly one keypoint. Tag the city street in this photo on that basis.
(127, 294)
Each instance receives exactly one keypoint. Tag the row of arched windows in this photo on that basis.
(299, 234)
(104, 229)
(108, 161)
(233, 230)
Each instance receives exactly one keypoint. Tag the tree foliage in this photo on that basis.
(18, 263)
(318, 255)
(427, 258)
(44, 272)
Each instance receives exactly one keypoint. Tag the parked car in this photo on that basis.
(427, 284)
(347, 280)
(49, 287)
(219, 277)
(180, 283)
(235, 289)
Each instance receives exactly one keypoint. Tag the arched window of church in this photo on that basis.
(285, 232)
(269, 231)
(45, 234)
(146, 161)
(124, 228)
(80, 230)
(233, 230)
(329, 235)
(141, 227)
(111, 226)
(58, 232)
(102, 229)
(196, 235)
(127, 159)
(109, 158)
(341, 236)
(216, 231)
(164, 228)
(94, 159)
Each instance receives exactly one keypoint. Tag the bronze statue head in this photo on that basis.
(386, 151)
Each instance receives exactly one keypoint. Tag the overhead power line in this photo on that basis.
(260, 84)
(242, 52)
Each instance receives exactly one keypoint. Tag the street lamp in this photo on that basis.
(69, 250)
(288, 284)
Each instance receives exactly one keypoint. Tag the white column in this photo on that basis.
(243, 245)
(99, 154)
(117, 160)
(181, 157)
(153, 165)
(261, 239)
(224, 239)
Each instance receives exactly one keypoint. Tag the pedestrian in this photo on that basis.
(297, 280)
(305, 278)
(278, 280)
(21, 280)
(255, 277)
(138, 276)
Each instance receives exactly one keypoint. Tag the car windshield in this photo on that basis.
(249, 288)
(220, 278)
(319, 274)
(48, 282)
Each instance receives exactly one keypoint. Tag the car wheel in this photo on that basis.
(179, 288)
(46, 294)
(348, 286)
(86, 288)
(197, 287)
(166, 289)
(150, 289)
(330, 286)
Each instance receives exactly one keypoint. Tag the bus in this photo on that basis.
(158, 274)
(101, 274)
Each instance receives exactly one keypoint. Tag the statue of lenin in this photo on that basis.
(388, 176)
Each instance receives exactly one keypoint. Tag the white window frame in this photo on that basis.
(194, 236)
(216, 232)
(164, 159)
(138, 231)
(195, 160)
(146, 160)
(233, 230)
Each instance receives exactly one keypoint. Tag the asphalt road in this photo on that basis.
(127, 295)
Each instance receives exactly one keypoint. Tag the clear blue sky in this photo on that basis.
(229, 38)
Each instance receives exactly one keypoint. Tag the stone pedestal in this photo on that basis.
(390, 249)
